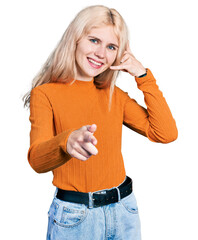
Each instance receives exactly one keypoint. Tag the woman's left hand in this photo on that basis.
(130, 64)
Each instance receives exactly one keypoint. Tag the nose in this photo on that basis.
(100, 52)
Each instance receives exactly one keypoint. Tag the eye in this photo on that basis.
(93, 40)
(111, 47)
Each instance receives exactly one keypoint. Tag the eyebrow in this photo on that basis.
(100, 41)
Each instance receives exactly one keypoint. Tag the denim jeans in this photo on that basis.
(74, 221)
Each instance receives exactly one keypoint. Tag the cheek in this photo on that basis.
(82, 52)
(112, 58)
(79, 52)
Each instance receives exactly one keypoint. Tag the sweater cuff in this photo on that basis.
(63, 143)
(148, 78)
(143, 75)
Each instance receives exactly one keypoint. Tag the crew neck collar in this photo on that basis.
(86, 84)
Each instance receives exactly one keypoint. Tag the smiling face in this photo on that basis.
(96, 52)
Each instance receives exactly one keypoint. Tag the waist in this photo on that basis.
(98, 198)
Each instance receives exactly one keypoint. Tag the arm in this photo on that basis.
(155, 122)
(47, 151)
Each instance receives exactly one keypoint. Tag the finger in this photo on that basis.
(129, 50)
(125, 58)
(123, 67)
(79, 156)
(119, 67)
(91, 128)
(128, 47)
(78, 148)
(93, 140)
(83, 151)
(88, 137)
(115, 67)
(90, 148)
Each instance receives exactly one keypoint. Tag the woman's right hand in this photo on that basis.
(80, 143)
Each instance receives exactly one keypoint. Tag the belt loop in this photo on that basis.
(118, 190)
(90, 200)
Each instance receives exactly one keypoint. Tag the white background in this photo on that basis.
(163, 36)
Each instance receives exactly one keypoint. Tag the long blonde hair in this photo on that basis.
(61, 65)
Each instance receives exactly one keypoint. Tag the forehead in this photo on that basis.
(105, 34)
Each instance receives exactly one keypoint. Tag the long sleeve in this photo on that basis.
(156, 122)
(47, 150)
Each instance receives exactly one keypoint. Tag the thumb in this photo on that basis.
(91, 128)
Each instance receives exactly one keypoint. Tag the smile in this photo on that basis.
(94, 63)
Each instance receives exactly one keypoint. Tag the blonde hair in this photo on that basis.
(61, 66)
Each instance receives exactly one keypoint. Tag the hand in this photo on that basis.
(130, 64)
(80, 143)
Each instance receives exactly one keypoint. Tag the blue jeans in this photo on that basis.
(75, 221)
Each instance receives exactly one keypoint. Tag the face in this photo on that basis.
(96, 52)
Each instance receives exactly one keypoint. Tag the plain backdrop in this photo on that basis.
(163, 36)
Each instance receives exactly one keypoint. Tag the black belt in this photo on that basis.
(99, 198)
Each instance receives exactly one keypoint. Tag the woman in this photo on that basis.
(76, 115)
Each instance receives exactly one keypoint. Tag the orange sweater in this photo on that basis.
(57, 109)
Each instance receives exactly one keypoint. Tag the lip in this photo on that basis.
(94, 65)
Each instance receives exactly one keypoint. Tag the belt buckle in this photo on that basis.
(101, 192)
(91, 200)
(92, 204)
(91, 197)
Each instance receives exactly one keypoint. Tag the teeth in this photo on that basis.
(96, 63)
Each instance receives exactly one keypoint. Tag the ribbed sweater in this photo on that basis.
(57, 109)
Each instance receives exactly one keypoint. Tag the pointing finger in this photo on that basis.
(88, 137)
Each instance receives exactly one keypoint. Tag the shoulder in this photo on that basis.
(123, 96)
(48, 93)
(119, 92)
(49, 89)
